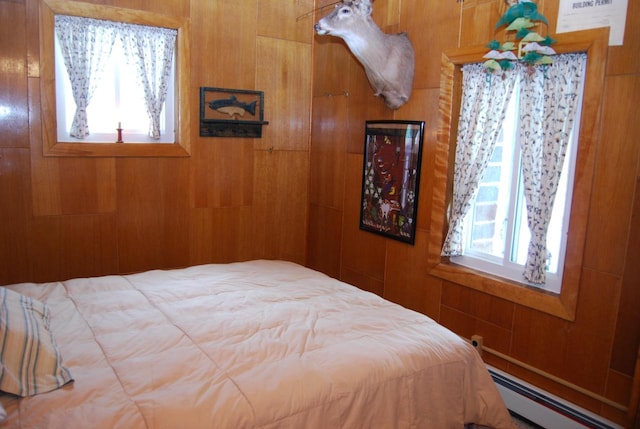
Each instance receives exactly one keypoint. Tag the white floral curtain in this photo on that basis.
(548, 101)
(86, 45)
(485, 100)
(151, 49)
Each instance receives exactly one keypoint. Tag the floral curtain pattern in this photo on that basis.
(86, 46)
(549, 97)
(151, 49)
(484, 105)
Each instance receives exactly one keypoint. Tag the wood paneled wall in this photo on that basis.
(294, 193)
(598, 350)
(233, 199)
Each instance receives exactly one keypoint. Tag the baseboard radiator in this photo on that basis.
(543, 408)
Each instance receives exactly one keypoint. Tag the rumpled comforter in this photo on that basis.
(259, 344)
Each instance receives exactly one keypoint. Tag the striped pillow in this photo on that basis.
(29, 359)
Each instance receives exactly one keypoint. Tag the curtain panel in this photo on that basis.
(548, 103)
(87, 44)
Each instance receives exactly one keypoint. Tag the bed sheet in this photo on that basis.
(257, 344)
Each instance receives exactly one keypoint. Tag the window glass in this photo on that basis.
(496, 235)
(118, 102)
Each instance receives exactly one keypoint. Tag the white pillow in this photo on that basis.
(3, 414)
(29, 359)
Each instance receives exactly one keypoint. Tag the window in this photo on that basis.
(118, 93)
(496, 234)
(58, 140)
(490, 281)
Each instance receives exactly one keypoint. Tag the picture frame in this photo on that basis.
(231, 112)
(391, 178)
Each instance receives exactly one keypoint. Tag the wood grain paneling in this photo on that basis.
(279, 223)
(152, 213)
(14, 114)
(223, 172)
(14, 214)
(325, 229)
(405, 275)
(220, 235)
(625, 59)
(45, 178)
(432, 30)
(331, 62)
(290, 21)
(615, 176)
(329, 151)
(285, 78)
(44, 240)
(362, 280)
(627, 336)
(88, 247)
(224, 43)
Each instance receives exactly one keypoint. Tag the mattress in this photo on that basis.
(257, 344)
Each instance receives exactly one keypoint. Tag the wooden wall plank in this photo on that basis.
(325, 228)
(329, 151)
(45, 178)
(152, 217)
(443, 19)
(289, 21)
(224, 43)
(15, 211)
(223, 172)
(615, 176)
(285, 78)
(625, 59)
(14, 114)
(627, 337)
(405, 274)
(279, 225)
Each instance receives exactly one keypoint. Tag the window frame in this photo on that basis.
(51, 145)
(563, 305)
(517, 212)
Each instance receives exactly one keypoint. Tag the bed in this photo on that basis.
(257, 344)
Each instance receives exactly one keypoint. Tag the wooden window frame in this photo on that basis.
(563, 305)
(51, 146)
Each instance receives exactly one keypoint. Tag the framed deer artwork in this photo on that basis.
(391, 178)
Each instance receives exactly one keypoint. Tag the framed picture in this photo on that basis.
(231, 112)
(391, 178)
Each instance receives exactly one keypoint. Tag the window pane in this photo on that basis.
(496, 232)
(487, 220)
(119, 100)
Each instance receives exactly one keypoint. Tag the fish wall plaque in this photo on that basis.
(231, 112)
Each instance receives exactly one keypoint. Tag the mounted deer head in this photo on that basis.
(388, 59)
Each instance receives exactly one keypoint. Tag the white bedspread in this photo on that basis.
(260, 344)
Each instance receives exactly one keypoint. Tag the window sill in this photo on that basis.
(116, 150)
(562, 305)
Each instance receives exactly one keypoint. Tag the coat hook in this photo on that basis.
(345, 93)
